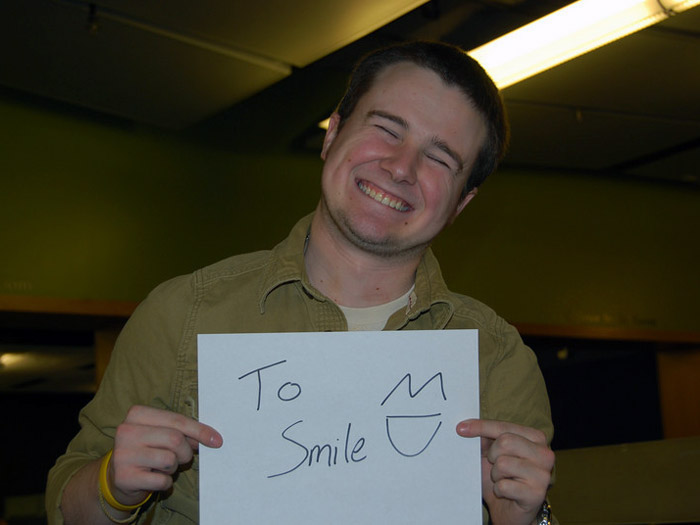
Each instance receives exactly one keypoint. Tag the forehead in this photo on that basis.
(420, 96)
(409, 77)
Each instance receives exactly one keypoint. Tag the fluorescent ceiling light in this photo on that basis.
(567, 33)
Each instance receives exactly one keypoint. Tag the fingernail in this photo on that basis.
(216, 440)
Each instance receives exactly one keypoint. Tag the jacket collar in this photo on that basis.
(287, 263)
(287, 266)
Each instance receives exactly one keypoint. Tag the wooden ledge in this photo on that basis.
(614, 333)
(647, 482)
(27, 304)
(59, 306)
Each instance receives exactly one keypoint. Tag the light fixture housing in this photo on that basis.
(569, 32)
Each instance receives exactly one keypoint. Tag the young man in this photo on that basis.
(420, 127)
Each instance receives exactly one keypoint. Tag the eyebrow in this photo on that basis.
(442, 146)
(435, 141)
(382, 114)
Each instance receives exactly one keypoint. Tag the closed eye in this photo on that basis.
(439, 161)
(387, 131)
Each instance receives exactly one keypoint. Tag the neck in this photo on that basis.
(350, 276)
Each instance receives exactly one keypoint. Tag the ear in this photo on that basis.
(331, 133)
(463, 204)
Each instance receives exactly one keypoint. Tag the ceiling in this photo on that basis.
(222, 71)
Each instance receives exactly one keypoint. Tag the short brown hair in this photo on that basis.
(455, 68)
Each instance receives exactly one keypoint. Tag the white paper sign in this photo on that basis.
(340, 427)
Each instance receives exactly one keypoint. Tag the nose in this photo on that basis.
(401, 162)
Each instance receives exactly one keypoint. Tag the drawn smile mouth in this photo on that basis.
(383, 198)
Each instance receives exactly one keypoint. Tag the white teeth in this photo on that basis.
(380, 197)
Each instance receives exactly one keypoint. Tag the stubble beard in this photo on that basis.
(387, 247)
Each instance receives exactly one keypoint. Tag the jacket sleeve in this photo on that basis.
(141, 371)
(512, 387)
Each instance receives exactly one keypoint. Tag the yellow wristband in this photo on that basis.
(104, 488)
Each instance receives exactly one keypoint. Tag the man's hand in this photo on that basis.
(149, 446)
(516, 469)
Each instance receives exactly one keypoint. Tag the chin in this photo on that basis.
(381, 244)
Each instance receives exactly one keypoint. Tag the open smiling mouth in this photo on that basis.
(383, 198)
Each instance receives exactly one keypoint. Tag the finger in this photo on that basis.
(139, 481)
(511, 467)
(523, 494)
(156, 481)
(140, 444)
(493, 429)
(513, 445)
(194, 430)
(163, 461)
(533, 470)
(486, 445)
(131, 479)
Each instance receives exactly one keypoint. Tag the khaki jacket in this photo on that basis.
(155, 358)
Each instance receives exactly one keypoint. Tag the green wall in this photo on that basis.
(90, 209)
(95, 208)
(569, 249)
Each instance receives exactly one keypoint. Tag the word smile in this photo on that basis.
(327, 450)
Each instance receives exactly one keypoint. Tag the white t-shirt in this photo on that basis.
(374, 317)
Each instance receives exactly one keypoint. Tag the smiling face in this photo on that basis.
(395, 169)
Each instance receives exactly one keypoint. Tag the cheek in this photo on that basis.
(441, 196)
(368, 149)
(436, 187)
